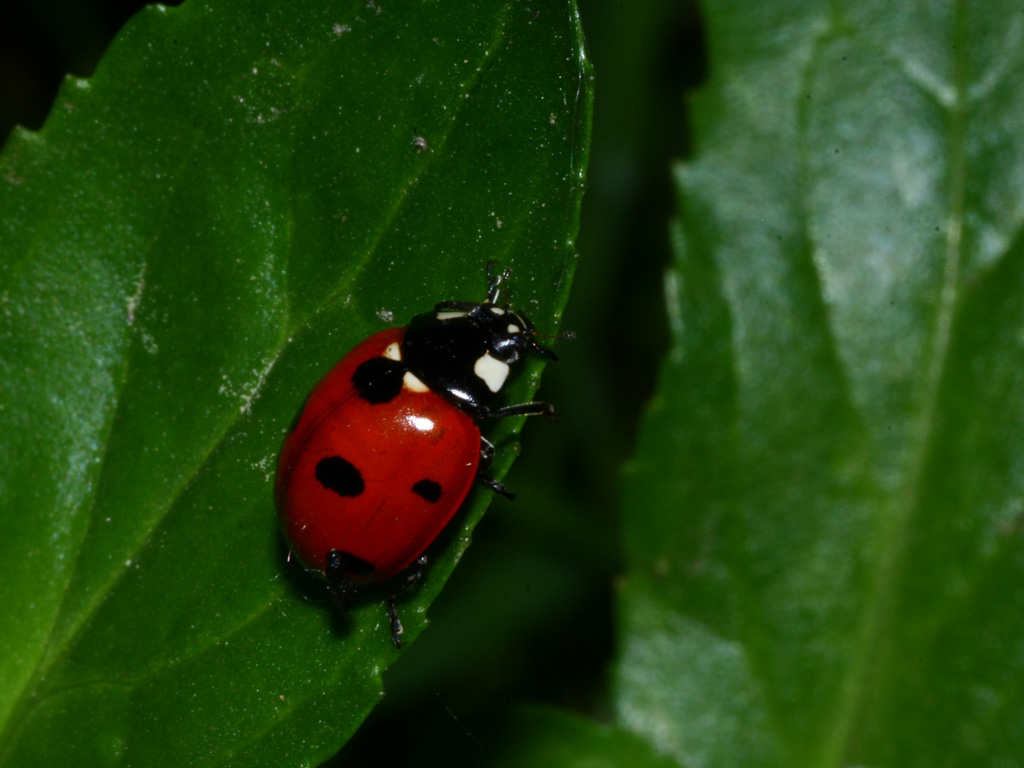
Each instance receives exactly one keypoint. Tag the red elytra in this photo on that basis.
(416, 459)
(387, 445)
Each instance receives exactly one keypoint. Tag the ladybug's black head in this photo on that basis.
(507, 333)
(463, 350)
(508, 330)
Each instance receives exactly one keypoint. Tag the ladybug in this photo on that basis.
(388, 444)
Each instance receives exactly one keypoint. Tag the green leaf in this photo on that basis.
(826, 562)
(240, 193)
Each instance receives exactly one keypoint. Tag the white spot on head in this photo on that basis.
(393, 351)
(513, 328)
(497, 311)
(492, 371)
(450, 315)
(413, 384)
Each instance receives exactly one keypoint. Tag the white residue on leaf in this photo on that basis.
(250, 387)
(135, 298)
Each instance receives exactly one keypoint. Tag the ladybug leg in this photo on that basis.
(522, 409)
(412, 578)
(486, 455)
(339, 585)
(495, 486)
(494, 281)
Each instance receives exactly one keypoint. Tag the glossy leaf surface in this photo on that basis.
(240, 193)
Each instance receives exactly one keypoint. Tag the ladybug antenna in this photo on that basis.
(556, 336)
(544, 350)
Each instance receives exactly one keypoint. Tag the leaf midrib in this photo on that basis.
(870, 669)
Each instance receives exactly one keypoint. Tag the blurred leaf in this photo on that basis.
(240, 193)
(826, 564)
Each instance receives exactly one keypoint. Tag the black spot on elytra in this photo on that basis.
(338, 560)
(378, 380)
(336, 474)
(428, 489)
